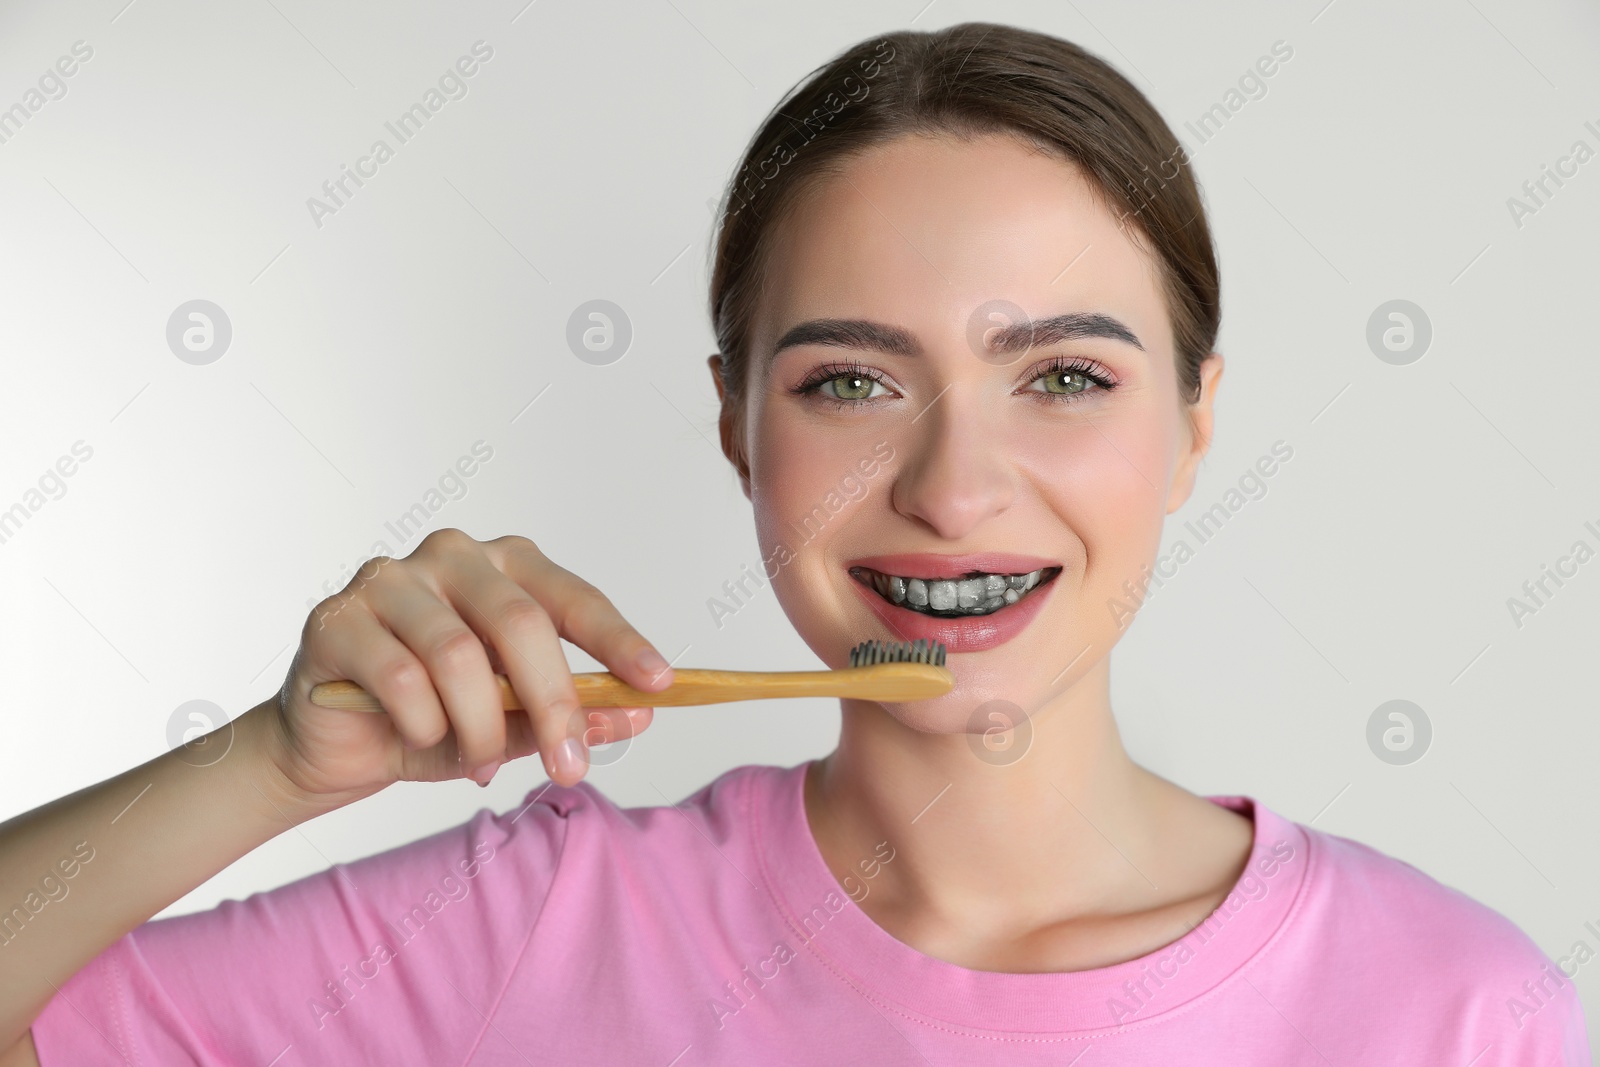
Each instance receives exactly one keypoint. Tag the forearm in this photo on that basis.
(78, 873)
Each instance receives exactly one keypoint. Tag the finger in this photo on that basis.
(584, 615)
(602, 726)
(639, 719)
(519, 727)
(519, 735)
(357, 646)
(525, 637)
(605, 725)
(450, 649)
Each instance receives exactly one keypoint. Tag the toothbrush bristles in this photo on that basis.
(870, 653)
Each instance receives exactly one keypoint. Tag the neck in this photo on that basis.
(1065, 829)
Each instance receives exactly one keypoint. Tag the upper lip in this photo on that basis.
(933, 567)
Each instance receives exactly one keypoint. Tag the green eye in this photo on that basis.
(1065, 381)
(849, 387)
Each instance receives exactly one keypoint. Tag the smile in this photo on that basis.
(972, 601)
(972, 594)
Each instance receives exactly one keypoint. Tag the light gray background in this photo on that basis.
(370, 353)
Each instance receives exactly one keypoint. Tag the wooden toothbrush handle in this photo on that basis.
(884, 681)
(691, 686)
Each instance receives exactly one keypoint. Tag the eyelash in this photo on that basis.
(813, 383)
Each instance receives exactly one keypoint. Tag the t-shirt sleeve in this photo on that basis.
(1571, 1036)
(1540, 1023)
(397, 958)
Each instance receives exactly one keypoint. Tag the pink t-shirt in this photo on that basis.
(571, 931)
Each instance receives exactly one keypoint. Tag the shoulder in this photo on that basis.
(1420, 945)
(590, 826)
(1372, 892)
(587, 803)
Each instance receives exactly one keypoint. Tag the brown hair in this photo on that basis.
(968, 79)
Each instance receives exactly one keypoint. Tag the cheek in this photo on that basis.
(1106, 474)
(791, 472)
(806, 488)
(800, 462)
(794, 490)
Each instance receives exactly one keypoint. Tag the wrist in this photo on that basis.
(260, 734)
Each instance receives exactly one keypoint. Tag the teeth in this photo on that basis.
(950, 596)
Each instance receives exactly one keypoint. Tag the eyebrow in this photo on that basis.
(1018, 337)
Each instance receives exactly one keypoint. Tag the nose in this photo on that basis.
(955, 476)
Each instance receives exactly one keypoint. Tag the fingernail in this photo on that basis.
(570, 760)
(485, 774)
(633, 713)
(650, 660)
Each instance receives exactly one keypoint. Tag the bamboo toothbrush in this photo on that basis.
(879, 670)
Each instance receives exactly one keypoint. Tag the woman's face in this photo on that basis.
(895, 449)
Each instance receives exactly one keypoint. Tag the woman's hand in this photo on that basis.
(425, 635)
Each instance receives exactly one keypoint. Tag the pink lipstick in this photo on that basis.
(971, 602)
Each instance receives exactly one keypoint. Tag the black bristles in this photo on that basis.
(870, 653)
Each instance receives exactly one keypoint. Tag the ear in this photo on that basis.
(728, 427)
(1200, 419)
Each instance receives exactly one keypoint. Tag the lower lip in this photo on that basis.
(972, 633)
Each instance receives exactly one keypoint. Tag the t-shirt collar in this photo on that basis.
(824, 920)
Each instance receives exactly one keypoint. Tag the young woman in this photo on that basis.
(967, 276)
